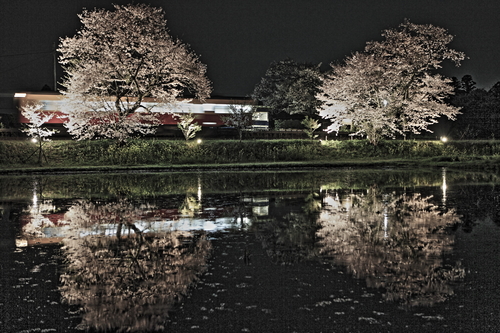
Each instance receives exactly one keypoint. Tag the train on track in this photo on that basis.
(208, 113)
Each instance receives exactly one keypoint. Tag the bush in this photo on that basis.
(168, 152)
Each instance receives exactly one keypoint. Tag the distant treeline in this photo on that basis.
(480, 108)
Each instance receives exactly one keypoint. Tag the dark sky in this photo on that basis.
(239, 39)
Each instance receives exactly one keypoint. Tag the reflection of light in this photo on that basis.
(260, 210)
(20, 95)
(385, 197)
(21, 242)
(34, 208)
(444, 186)
(199, 189)
(386, 223)
(35, 200)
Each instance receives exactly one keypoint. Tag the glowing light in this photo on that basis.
(34, 140)
(198, 141)
(444, 139)
(21, 95)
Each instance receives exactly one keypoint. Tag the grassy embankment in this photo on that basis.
(138, 154)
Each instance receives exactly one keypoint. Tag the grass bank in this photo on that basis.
(106, 155)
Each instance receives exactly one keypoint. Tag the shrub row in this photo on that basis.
(165, 152)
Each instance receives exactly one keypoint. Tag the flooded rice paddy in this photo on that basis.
(290, 251)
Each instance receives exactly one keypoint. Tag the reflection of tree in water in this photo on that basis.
(37, 211)
(395, 242)
(477, 204)
(37, 219)
(125, 279)
(190, 206)
(291, 238)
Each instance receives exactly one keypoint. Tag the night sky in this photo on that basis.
(238, 40)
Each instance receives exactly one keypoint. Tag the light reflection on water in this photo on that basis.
(129, 259)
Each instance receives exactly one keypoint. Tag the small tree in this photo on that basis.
(311, 125)
(37, 117)
(117, 60)
(240, 117)
(186, 125)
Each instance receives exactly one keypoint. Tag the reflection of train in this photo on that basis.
(41, 225)
(208, 113)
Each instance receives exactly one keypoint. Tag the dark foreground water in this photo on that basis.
(294, 251)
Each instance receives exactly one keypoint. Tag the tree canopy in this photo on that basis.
(480, 110)
(290, 87)
(240, 117)
(118, 59)
(392, 88)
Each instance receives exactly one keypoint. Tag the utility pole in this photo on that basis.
(55, 67)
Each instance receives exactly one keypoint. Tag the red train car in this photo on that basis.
(208, 113)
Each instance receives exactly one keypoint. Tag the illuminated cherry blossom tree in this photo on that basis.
(117, 60)
(37, 117)
(187, 125)
(392, 88)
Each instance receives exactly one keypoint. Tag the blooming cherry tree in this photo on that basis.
(392, 88)
(115, 62)
(37, 117)
(187, 125)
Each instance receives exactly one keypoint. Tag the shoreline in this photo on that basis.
(479, 165)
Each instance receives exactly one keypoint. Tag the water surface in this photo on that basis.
(340, 250)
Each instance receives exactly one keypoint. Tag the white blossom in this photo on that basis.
(117, 60)
(37, 117)
(187, 125)
(391, 87)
